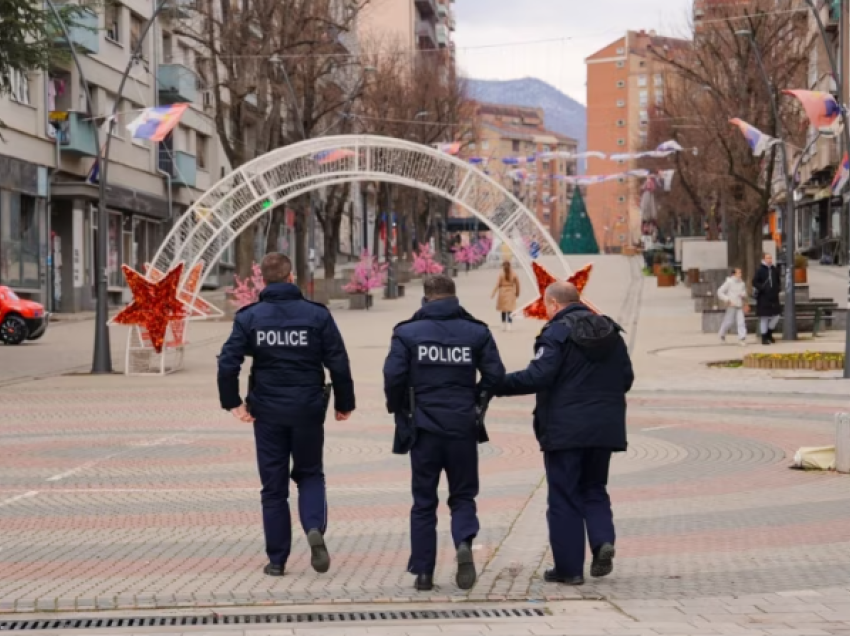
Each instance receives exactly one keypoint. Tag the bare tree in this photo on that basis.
(718, 79)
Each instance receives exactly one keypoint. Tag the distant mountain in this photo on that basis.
(564, 115)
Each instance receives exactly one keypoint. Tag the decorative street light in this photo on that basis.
(789, 324)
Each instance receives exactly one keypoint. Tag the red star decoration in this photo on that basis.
(198, 308)
(154, 305)
(537, 309)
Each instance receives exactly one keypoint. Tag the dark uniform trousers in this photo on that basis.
(578, 498)
(276, 444)
(430, 456)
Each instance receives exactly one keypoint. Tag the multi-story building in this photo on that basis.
(707, 10)
(424, 25)
(503, 132)
(48, 219)
(625, 81)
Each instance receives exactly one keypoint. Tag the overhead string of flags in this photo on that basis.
(824, 113)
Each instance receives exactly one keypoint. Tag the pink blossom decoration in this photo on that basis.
(424, 263)
(368, 275)
(247, 290)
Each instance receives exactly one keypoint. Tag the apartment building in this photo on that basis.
(515, 131)
(48, 205)
(626, 80)
(424, 25)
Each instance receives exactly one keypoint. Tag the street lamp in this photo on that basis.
(839, 85)
(789, 324)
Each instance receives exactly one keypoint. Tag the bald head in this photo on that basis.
(562, 294)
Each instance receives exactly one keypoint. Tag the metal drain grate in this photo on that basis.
(262, 619)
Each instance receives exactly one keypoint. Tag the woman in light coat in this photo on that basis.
(507, 288)
(733, 293)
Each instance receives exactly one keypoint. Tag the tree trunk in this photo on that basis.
(301, 272)
(245, 252)
(751, 246)
(278, 215)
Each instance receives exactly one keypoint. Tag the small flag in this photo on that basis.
(759, 142)
(330, 156)
(450, 149)
(476, 160)
(842, 176)
(670, 146)
(156, 122)
(821, 108)
(666, 177)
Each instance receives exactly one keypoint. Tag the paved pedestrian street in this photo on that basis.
(139, 495)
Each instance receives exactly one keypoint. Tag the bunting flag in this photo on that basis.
(821, 108)
(330, 156)
(476, 160)
(842, 176)
(759, 142)
(450, 149)
(156, 122)
(666, 177)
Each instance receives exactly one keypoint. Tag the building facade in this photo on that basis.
(49, 193)
(503, 132)
(625, 81)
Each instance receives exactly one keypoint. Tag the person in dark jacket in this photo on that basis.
(431, 386)
(580, 373)
(767, 287)
(292, 341)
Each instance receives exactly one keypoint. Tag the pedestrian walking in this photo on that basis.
(292, 341)
(767, 287)
(432, 388)
(580, 374)
(733, 293)
(507, 291)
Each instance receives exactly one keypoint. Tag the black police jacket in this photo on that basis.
(292, 341)
(581, 373)
(434, 361)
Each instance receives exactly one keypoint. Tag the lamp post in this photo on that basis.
(838, 75)
(102, 357)
(789, 324)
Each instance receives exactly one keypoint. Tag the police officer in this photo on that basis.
(292, 341)
(431, 386)
(581, 373)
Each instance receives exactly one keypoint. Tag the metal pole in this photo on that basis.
(789, 324)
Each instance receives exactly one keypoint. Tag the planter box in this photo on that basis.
(666, 280)
(359, 302)
(656, 269)
(692, 276)
(801, 276)
(753, 361)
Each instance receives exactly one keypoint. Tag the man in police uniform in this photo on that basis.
(581, 373)
(292, 341)
(431, 386)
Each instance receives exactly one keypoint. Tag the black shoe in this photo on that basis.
(424, 582)
(765, 340)
(551, 576)
(770, 337)
(603, 561)
(319, 557)
(273, 570)
(466, 575)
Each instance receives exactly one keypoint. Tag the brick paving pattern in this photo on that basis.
(141, 494)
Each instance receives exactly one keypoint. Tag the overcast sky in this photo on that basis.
(492, 35)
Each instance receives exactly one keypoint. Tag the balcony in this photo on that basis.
(442, 11)
(442, 32)
(177, 84)
(427, 8)
(182, 167)
(179, 9)
(83, 33)
(451, 22)
(76, 133)
(426, 35)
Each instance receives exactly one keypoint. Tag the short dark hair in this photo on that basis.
(275, 268)
(439, 286)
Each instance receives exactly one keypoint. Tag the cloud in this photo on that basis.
(508, 39)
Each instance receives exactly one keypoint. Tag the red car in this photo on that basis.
(20, 319)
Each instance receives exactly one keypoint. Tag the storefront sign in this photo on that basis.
(78, 247)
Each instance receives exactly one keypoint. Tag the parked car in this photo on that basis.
(20, 319)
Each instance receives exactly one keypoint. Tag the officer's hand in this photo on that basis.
(242, 414)
(341, 417)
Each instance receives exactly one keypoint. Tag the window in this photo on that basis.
(112, 19)
(621, 180)
(621, 103)
(19, 86)
(658, 79)
(621, 63)
(202, 143)
(644, 98)
(621, 123)
(137, 24)
(641, 80)
(621, 142)
(642, 63)
(515, 145)
(19, 244)
(659, 99)
(473, 146)
(485, 145)
(621, 84)
(106, 111)
(621, 51)
(621, 199)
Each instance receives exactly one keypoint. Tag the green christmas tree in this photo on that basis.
(577, 236)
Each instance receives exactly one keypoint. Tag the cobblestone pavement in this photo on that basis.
(141, 494)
